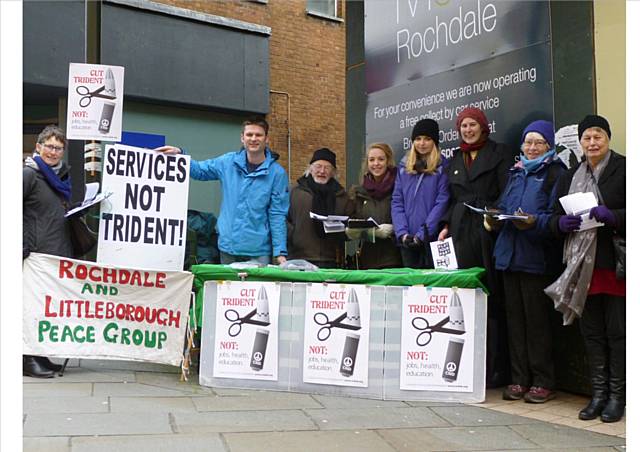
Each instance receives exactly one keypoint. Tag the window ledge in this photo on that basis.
(325, 16)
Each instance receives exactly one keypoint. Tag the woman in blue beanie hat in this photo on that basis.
(531, 260)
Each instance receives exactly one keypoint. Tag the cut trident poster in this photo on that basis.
(436, 351)
(246, 337)
(336, 335)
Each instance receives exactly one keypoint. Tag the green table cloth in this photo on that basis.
(467, 278)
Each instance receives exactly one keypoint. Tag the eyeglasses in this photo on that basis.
(536, 143)
(51, 147)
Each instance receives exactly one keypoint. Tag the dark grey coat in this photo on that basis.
(44, 227)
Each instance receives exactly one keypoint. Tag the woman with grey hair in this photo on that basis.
(590, 287)
(46, 194)
(319, 192)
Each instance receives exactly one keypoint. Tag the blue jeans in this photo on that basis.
(227, 259)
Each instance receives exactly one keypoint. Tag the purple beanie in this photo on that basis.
(544, 128)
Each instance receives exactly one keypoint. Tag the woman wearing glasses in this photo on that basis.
(46, 193)
(531, 260)
(319, 192)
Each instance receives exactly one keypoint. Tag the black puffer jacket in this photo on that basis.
(45, 229)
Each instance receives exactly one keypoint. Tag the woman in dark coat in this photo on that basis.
(46, 192)
(477, 176)
(589, 287)
(372, 199)
(319, 192)
(530, 260)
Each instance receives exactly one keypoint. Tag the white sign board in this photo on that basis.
(336, 335)
(94, 102)
(144, 222)
(444, 255)
(246, 338)
(436, 350)
(82, 309)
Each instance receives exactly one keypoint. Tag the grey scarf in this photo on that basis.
(569, 291)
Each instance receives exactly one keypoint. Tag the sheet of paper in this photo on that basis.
(578, 203)
(333, 226)
(581, 204)
(502, 217)
(91, 191)
(88, 203)
(315, 216)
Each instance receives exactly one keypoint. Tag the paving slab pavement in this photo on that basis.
(101, 406)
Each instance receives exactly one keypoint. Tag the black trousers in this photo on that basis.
(604, 331)
(417, 257)
(529, 312)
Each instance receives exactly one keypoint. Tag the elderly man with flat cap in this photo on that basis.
(319, 192)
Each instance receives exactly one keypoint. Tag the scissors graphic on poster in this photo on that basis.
(236, 321)
(422, 324)
(321, 318)
(87, 95)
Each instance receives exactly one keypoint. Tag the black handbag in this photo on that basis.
(83, 239)
(620, 251)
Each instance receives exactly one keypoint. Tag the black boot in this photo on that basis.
(32, 368)
(45, 362)
(593, 409)
(599, 383)
(614, 410)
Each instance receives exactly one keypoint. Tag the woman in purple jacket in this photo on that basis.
(420, 196)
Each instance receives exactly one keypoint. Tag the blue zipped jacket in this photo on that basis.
(253, 213)
(533, 250)
(418, 202)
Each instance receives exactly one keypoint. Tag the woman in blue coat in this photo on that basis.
(530, 259)
(420, 196)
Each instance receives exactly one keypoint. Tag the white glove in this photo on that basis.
(384, 231)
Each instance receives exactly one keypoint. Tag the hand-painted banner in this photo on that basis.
(94, 107)
(144, 223)
(78, 309)
(437, 346)
(336, 335)
(246, 338)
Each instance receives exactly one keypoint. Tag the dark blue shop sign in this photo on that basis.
(512, 89)
(409, 39)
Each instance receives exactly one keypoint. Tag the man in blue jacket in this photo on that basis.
(255, 197)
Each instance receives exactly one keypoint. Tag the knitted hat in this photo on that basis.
(324, 154)
(426, 127)
(476, 114)
(544, 128)
(593, 121)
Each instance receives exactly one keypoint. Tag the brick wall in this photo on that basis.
(307, 60)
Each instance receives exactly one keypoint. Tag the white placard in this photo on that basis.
(336, 335)
(246, 337)
(78, 309)
(437, 339)
(144, 222)
(444, 255)
(94, 102)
